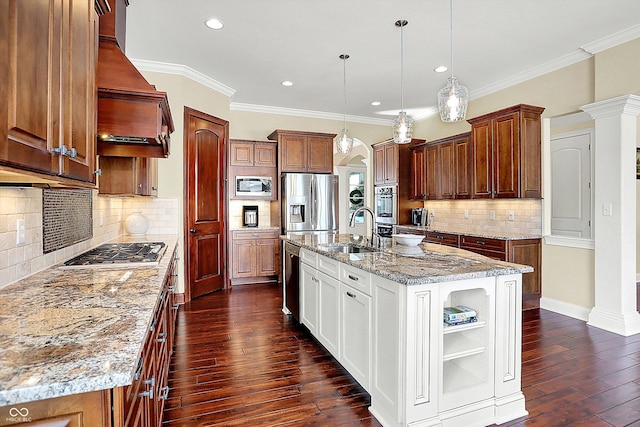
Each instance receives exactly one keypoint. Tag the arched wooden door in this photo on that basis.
(205, 153)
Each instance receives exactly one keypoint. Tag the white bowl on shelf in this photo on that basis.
(407, 239)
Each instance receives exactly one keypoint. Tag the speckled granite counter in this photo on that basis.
(475, 233)
(410, 265)
(64, 332)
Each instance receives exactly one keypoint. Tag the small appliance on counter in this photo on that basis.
(250, 216)
(419, 216)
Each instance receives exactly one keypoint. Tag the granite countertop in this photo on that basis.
(409, 265)
(500, 235)
(72, 331)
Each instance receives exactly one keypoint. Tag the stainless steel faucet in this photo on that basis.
(352, 222)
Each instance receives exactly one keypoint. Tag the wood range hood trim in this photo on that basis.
(134, 119)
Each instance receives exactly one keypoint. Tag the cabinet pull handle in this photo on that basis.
(255, 234)
(165, 393)
(176, 306)
(480, 243)
(98, 172)
(162, 337)
(152, 327)
(192, 230)
(171, 288)
(352, 277)
(439, 237)
(149, 392)
(351, 295)
(154, 188)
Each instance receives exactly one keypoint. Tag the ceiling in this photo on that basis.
(496, 43)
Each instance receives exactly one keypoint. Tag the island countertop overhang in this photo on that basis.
(410, 265)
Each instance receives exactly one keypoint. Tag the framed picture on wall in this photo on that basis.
(637, 162)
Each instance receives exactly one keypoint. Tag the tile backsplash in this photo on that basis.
(520, 216)
(19, 261)
(235, 213)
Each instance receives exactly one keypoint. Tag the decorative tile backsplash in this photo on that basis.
(66, 218)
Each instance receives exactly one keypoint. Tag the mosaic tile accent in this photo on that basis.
(66, 218)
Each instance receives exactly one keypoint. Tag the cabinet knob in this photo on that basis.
(139, 185)
(154, 188)
(193, 230)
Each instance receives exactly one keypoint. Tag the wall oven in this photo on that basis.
(254, 186)
(386, 204)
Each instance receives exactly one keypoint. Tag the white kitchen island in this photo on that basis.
(381, 316)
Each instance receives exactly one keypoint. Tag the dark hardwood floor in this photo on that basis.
(240, 362)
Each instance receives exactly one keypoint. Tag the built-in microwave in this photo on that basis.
(254, 186)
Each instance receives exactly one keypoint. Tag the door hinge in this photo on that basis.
(589, 223)
(589, 185)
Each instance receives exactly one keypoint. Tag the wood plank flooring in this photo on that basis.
(239, 361)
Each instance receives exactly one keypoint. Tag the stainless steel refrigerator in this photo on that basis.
(309, 203)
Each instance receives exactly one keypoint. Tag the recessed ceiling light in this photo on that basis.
(286, 83)
(214, 23)
(440, 69)
(375, 103)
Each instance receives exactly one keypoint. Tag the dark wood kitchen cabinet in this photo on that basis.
(441, 169)
(48, 85)
(142, 403)
(128, 176)
(304, 151)
(507, 154)
(255, 256)
(523, 251)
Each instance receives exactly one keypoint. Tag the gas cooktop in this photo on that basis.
(111, 255)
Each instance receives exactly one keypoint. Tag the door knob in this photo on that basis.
(192, 230)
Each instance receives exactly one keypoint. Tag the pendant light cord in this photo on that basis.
(451, 33)
(344, 89)
(402, 24)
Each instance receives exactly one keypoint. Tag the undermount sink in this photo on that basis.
(347, 248)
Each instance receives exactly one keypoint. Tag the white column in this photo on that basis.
(615, 214)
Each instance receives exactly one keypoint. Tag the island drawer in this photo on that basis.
(328, 266)
(356, 278)
(309, 257)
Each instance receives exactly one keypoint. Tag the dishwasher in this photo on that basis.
(292, 279)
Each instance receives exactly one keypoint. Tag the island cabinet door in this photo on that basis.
(355, 321)
(328, 314)
(309, 297)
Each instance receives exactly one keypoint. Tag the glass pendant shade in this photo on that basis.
(402, 128)
(344, 142)
(452, 101)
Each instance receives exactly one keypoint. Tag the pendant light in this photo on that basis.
(403, 124)
(453, 98)
(344, 142)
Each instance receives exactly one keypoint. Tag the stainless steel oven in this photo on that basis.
(386, 204)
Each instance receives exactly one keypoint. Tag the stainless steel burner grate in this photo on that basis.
(125, 254)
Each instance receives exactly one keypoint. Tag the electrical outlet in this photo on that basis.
(492, 214)
(512, 216)
(21, 231)
(607, 209)
(466, 213)
(101, 219)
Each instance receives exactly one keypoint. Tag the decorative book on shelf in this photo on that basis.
(459, 314)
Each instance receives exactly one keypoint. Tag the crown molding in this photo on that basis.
(186, 71)
(542, 69)
(267, 109)
(612, 40)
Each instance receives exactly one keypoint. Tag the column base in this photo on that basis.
(622, 324)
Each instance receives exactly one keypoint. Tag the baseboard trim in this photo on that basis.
(564, 308)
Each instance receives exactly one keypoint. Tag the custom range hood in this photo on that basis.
(134, 119)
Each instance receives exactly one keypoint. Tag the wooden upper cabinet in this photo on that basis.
(304, 151)
(129, 176)
(385, 164)
(48, 84)
(252, 154)
(506, 153)
(462, 166)
(441, 168)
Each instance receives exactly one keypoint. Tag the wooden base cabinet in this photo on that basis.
(255, 256)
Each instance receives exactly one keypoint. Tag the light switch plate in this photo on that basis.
(492, 214)
(512, 216)
(21, 231)
(466, 213)
(607, 209)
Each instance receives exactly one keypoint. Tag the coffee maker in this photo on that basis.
(419, 216)
(250, 216)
